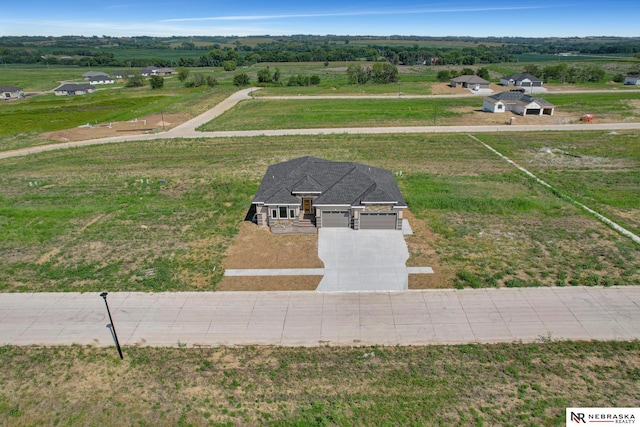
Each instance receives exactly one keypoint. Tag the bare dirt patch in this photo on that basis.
(147, 124)
(422, 254)
(257, 247)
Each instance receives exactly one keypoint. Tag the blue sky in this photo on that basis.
(250, 17)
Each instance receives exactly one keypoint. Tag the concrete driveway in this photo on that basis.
(363, 260)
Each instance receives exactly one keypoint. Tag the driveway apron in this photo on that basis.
(362, 260)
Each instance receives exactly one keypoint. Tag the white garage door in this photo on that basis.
(378, 221)
(335, 218)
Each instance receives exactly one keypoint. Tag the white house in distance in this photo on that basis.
(101, 80)
(11, 92)
(156, 71)
(92, 74)
(632, 79)
(521, 80)
(517, 102)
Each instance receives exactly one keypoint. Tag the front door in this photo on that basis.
(306, 206)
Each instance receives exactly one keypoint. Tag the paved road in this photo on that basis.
(315, 318)
(188, 129)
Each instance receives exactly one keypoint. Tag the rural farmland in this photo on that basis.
(162, 213)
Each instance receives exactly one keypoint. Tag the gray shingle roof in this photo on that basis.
(74, 86)
(339, 183)
(516, 96)
(469, 79)
(9, 88)
(521, 76)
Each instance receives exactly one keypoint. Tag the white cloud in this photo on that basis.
(356, 13)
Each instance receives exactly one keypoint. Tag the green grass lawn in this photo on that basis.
(74, 220)
(465, 385)
(321, 113)
(258, 114)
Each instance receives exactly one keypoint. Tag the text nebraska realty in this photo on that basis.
(579, 417)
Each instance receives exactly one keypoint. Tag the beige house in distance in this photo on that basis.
(307, 193)
(472, 82)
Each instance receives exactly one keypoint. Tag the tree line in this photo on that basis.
(99, 51)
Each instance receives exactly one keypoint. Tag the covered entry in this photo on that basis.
(335, 219)
(378, 220)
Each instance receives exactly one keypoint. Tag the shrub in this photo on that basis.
(229, 65)
(135, 81)
(157, 82)
(241, 80)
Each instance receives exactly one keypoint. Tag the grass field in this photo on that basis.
(260, 114)
(467, 385)
(159, 215)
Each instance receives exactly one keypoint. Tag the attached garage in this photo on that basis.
(335, 219)
(378, 220)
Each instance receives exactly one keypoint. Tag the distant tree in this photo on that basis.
(229, 65)
(264, 75)
(276, 75)
(357, 74)
(157, 82)
(482, 73)
(467, 72)
(211, 81)
(135, 80)
(443, 76)
(198, 80)
(314, 80)
(618, 78)
(241, 80)
(384, 73)
(183, 74)
(533, 69)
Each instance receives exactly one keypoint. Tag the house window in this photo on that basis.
(274, 213)
(283, 211)
(292, 213)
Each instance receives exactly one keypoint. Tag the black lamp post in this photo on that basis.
(110, 326)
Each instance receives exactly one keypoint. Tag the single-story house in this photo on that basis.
(517, 102)
(632, 79)
(470, 82)
(124, 74)
(100, 80)
(11, 92)
(309, 192)
(521, 80)
(156, 71)
(74, 89)
(91, 74)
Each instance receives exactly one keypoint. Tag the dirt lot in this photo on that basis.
(257, 247)
(148, 124)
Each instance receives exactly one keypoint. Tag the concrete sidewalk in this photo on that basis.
(313, 318)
